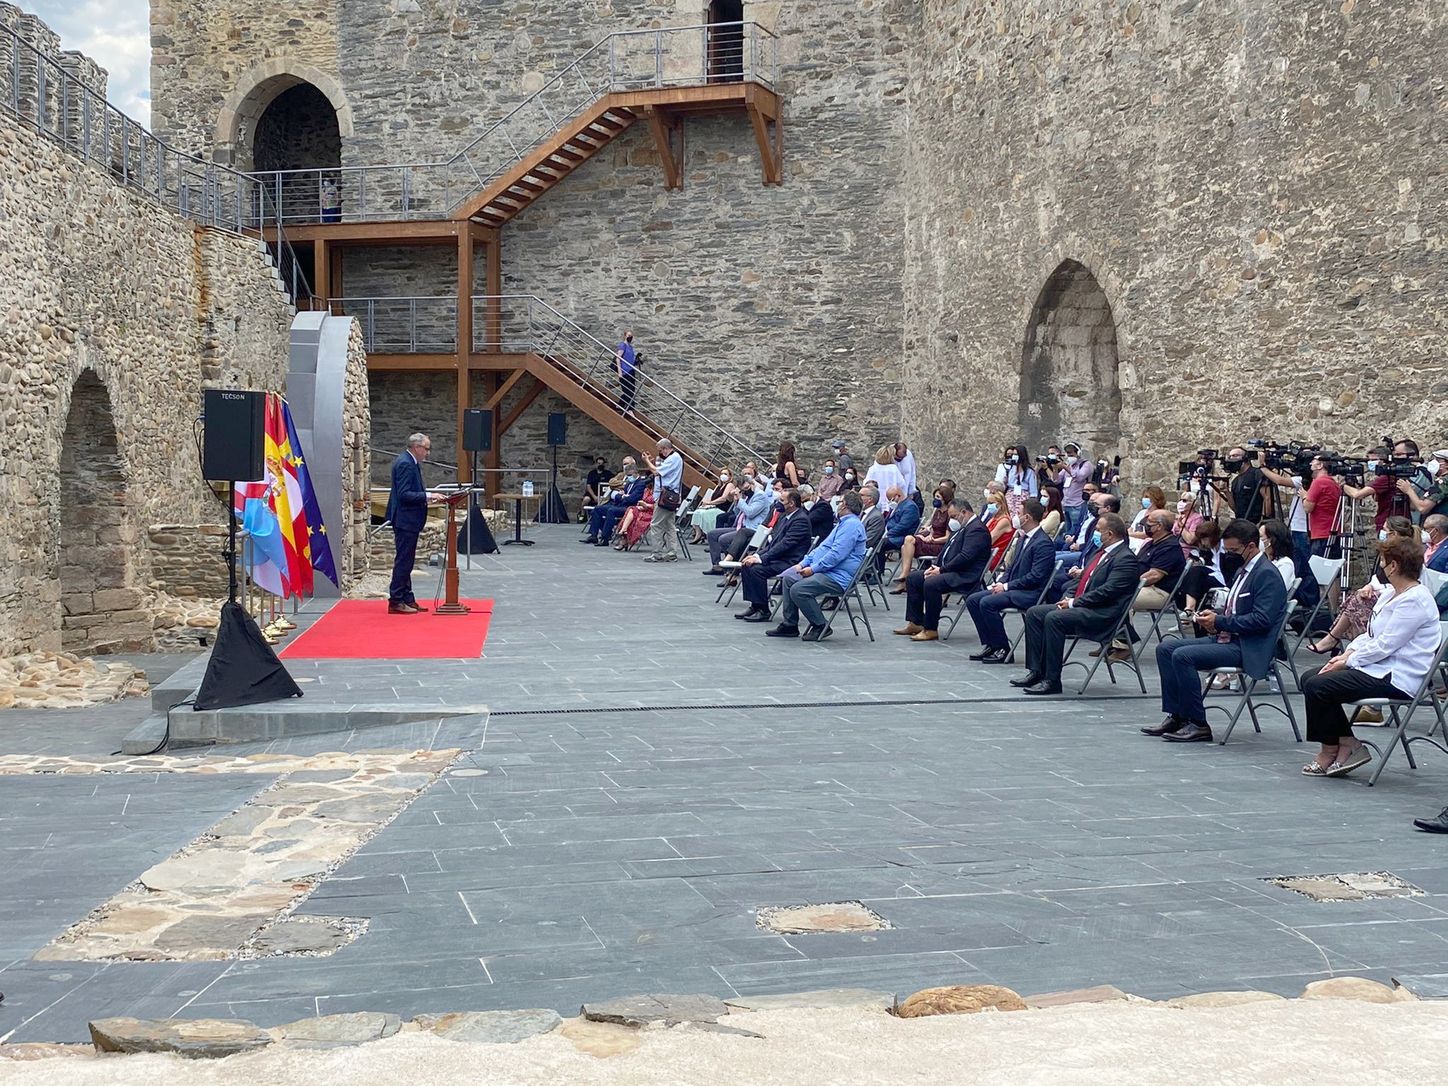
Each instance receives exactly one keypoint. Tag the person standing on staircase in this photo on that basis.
(625, 361)
(668, 494)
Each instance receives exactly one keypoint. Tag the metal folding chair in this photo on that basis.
(1400, 713)
(1118, 631)
(1171, 608)
(684, 520)
(1016, 641)
(1249, 685)
(852, 592)
(1325, 571)
(732, 568)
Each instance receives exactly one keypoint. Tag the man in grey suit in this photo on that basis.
(872, 518)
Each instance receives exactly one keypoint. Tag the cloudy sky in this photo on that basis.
(117, 34)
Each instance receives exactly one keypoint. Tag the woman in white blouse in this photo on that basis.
(1390, 660)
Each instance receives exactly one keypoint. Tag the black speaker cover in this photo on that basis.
(477, 430)
(243, 670)
(232, 446)
(557, 428)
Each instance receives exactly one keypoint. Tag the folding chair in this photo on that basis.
(1325, 571)
(755, 542)
(1400, 711)
(778, 582)
(1016, 641)
(852, 592)
(1249, 684)
(684, 520)
(874, 580)
(1118, 631)
(1170, 607)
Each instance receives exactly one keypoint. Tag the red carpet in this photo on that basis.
(363, 630)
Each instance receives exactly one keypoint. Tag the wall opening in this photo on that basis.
(1069, 386)
(101, 610)
(726, 41)
(298, 130)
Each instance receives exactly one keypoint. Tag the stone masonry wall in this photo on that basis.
(187, 561)
(96, 281)
(1254, 187)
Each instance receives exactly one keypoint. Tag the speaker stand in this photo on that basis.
(552, 510)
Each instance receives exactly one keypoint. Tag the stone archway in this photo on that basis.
(1069, 386)
(101, 609)
(258, 90)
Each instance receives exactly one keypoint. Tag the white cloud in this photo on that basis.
(116, 34)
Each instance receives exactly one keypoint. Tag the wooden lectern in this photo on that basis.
(450, 604)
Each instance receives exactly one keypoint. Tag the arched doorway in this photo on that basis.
(100, 605)
(1069, 388)
(726, 41)
(298, 130)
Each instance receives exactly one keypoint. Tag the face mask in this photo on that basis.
(1432, 466)
(1015, 522)
(849, 476)
(1014, 460)
(1146, 503)
(724, 478)
(1183, 506)
(829, 469)
(954, 524)
(991, 510)
(937, 503)
(1071, 460)
(1096, 539)
(1382, 535)
(1372, 465)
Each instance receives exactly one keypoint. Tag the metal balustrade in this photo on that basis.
(424, 325)
(692, 56)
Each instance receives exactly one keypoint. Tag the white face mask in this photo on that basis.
(1372, 465)
(1015, 522)
(1382, 535)
(1183, 506)
(954, 524)
(724, 478)
(1432, 466)
(829, 469)
(1071, 460)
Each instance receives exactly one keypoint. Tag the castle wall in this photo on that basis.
(1252, 187)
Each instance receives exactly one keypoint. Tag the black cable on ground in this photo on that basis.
(166, 738)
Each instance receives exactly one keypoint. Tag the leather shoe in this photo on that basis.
(1030, 680)
(927, 635)
(990, 656)
(747, 615)
(713, 571)
(754, 616)
(1192, 731)
(400, 609)
(1170, 724)
(1043, 687)
(588, 539)
(1118, 656)
(1434, 825)
(782, 631)
(909, 630)
(812, 634)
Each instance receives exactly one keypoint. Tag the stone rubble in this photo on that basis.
(62, 680)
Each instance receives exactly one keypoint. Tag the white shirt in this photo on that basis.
(906, 466)
(886, 476)
(1231, 606)
(1401, 641)
(1025, 542)
(1297, 515)
(1071, 600)
(1287, 569)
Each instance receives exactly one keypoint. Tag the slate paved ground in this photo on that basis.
(626, 845)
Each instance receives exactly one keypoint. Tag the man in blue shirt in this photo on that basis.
(825, 571)
(668, 472)
(624, 361)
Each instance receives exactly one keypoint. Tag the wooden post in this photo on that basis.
(494, 287)
(322, 274)
(465, 342)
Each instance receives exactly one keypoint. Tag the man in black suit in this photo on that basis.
(1018, 587)
(785, 545)
(604, 517)
(1108, 583)
(1245, 637)
(962, 564)
(821, 516)
(407, 510)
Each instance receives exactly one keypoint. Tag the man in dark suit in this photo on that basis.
(1108, 583)
(785, 545)
(1245, 637)
(962, 564)
(1017, 588)
(821, 516)
(872, 519)
(407, 510)
(1081, 549)
(603, 518)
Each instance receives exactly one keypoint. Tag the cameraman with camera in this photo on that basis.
(1386, 472)
(1073, 479)
(1434, 497)
(1286, 468)
(1251, 493)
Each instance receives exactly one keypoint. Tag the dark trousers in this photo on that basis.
(1325, 695)
(1061, 579)
(400, 590)
(602, 520)
(923, 594)
(628, 390)
(723, 540)
(755, 581)
(1179, 661)
(986, 609)
(1048, 627)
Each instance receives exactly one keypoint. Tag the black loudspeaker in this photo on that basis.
(557, 428)
(232, 446)
(477, 430)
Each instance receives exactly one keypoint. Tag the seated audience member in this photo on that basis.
(1075, 557)
(1109, 580)
(1207, 573)
(1357, 609)
(850, 478)
(636, 520)
(961, 566)
(903, 520)
(997, 518)
(1017, 587)
(595, 487)
(1055, 512)
(1152, 499)
(821, 516)
(1435, 531)
(1245, 637)
(605, 517)
(1161, 563)
(1390, 660)
(783, 547)
(749, 513)
(885, 474)
(930, 540)
(715, 503)
(825, 571)
(786, 469)
(871, 517)
(831, 481)
(1184, 525)
(1277, 545)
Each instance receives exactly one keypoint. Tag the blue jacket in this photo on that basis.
(407, 504)
(841, 553)
(786, 544)
(904, 520)
(1260, 605)
(1032, 566)
(632, 492)
(755, 508)
(1439, 562)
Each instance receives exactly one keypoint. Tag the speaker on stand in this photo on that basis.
(552, 510)
(476, 537)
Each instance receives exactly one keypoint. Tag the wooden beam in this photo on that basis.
(493, 458)
(493, 285)
(497, 397)
(522, 405)
(768, 158)
(433, 363)
(664, 129)
(339, 288)
(321, 272)
(408, 232)
(464, 341)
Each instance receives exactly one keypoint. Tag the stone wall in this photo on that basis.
(1252, 190)
(115, 314)
(187, 561)
(353, 562)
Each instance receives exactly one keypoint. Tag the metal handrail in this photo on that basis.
(435, 189)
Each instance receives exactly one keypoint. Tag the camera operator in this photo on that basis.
(1072, 480)
(1432, 499)
(1293, 479)
(1251, 493)
(1382, 485)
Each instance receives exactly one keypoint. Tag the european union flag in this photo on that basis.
(316, 529)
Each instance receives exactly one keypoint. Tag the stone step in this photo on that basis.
(280, 720)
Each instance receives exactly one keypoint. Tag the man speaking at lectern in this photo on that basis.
(407, 511)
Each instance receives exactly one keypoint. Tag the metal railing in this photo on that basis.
(426, 325)
(630, 60)
(521, 323)
(50, 96)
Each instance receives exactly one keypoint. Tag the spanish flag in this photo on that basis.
(287, 499)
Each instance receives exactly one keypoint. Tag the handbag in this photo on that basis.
(670, 499)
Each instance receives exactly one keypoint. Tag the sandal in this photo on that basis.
(1356, 760)
(1336, 644)
(1312, 769)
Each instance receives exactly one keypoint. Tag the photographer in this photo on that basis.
(1292, 479)
(1073, 479)
(1432, 499)
(1251, 495)
(1019, 478)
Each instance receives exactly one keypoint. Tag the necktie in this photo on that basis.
(1090, 569)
